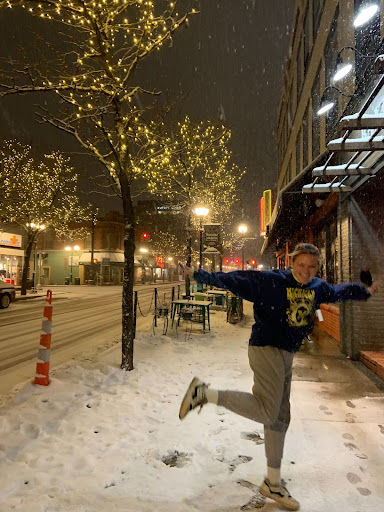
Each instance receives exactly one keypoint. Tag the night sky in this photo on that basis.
(227, 65)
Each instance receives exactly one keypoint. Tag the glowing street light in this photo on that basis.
(71, 249)
(242, 230)
(34, 229)
(201, 211)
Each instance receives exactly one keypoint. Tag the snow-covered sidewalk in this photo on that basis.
(99, 439)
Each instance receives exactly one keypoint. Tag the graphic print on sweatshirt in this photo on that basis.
(301, 306)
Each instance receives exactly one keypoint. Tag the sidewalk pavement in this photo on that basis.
(111, 440)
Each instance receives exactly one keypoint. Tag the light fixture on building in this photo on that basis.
(326, 100)
(342, 68)
(365, 14)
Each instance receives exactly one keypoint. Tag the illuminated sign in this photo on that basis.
(267, 195)
(265, 211)
(10, 239)
(262, 218)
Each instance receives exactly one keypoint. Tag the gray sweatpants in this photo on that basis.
(269, 402)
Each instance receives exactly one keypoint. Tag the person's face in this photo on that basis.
(305, 267)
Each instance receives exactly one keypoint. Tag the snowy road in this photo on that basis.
(83, 318)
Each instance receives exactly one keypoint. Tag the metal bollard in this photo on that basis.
(134, 314)
(155, 307)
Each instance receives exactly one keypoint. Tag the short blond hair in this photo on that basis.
(305, 248)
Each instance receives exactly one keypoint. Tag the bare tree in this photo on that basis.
(94, 81)
(195, 168)
(39, 196)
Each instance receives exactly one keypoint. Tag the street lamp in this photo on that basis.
(143, 251)
(34, 229)
(75, 248)
(201, 212)
(242, 230)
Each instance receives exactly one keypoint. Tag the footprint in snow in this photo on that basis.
(31, 430)
(353, 448)
(325, 410)
(176, 459)
(253, 436)
(354, 480)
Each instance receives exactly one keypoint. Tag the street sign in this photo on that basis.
(212, 238)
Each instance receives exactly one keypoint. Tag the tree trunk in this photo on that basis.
(129, 251)
(27, 258)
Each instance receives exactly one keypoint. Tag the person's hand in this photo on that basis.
(374, 288)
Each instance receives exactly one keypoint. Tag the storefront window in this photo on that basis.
(327, 242)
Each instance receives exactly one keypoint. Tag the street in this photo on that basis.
(83, 319)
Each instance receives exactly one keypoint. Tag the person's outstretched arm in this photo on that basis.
(348, 291)
(247, 284)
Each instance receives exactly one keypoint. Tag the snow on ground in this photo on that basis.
(99, 439)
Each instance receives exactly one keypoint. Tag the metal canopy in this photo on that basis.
(363, 154)
(364, 122)
(362, 144)
(342, 170)
(324, 188)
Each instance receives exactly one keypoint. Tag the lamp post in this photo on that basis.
(71, 249)
(170, 259)
(242, 230)
(201, 212)
(33, 230)
(143, 251)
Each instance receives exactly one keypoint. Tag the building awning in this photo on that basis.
(355, 157)
(292, 207)
(8, 251)
(111, 257)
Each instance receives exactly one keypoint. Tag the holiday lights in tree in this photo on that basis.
(39, 195)
(92, 75)
(194, 168)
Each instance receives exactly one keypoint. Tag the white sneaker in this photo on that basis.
(278, 493)
(194, 397)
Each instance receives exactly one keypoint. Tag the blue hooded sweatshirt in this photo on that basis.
(283, 308)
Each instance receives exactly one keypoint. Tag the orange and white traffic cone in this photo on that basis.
(43, 356)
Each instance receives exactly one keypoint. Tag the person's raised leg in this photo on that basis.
(262, 405)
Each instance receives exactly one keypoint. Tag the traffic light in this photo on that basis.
(253, 262)
(237, 261)
(226, 261)
(94, 261)
(145, 236)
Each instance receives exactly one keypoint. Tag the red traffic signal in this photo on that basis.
(145, 236)
(237, 261)
(253, 262)
(226, 260)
